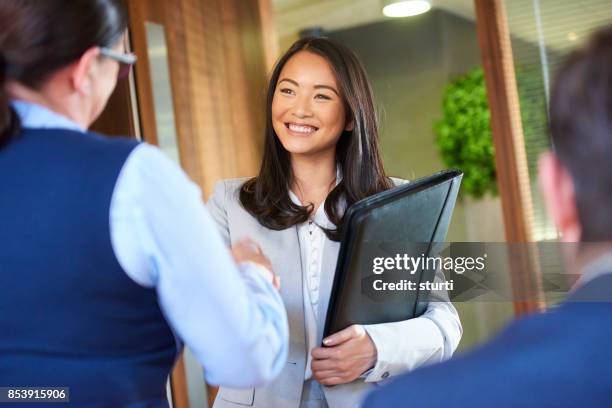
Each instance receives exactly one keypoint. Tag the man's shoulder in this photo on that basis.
(533, 353)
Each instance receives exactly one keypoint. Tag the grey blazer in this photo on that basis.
(283, 250)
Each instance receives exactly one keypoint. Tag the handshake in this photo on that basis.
(247, 250)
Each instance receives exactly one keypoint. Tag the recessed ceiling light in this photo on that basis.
(405, 8)
(572, 36)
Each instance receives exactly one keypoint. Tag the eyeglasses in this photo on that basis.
(125, 60)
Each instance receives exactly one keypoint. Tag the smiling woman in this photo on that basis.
(320, 120)
(321, 155)
(308, 112)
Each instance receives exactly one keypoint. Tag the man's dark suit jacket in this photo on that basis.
(561, 358)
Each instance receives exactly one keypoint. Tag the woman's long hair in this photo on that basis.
(38, 37)
(266, 196)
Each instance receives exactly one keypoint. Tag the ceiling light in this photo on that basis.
(406, 8)
(572, 36)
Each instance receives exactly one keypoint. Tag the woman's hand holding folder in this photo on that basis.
(346, 356)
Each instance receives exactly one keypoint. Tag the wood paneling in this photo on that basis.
(510, 159)
(218, 71)
(219, 55)
(269, 33)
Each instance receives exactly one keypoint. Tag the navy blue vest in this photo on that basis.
(69, 315)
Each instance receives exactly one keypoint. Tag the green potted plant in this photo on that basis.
(463, 134)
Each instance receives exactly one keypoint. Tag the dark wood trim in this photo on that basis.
(510, 156)
(178, 383)
(139, 12)
(211, 393)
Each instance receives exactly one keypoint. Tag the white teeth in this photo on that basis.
(301, 128)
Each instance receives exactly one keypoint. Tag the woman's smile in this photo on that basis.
(301, 129)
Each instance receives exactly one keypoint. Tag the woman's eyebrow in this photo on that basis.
(290, 81)
(331, 88)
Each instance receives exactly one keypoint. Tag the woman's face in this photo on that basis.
(308, 113)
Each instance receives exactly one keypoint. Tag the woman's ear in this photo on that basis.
(80, 74)
(350, 125)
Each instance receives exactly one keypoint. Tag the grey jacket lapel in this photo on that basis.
(279, 246)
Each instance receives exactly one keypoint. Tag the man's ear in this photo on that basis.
(81, 71)
(557, 187)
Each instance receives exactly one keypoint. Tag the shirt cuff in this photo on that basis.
(253, 272)
(366, 373)
(403, 346)
(376, 373)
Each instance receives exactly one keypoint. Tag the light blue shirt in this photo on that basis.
(232, 318)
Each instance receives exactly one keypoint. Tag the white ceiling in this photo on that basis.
(559, 18)
(338, 14)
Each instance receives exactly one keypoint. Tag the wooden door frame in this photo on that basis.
(510, 154)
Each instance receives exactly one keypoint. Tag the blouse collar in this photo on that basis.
(39, 117)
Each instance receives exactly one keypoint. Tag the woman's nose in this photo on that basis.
(302, 108)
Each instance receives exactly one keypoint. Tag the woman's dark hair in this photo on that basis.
(266, 196)
(38, 37)
(581, 131)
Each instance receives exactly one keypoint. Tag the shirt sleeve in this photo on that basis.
(231, 317)
(405, 345)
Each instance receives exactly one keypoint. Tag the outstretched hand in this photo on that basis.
(247, 250)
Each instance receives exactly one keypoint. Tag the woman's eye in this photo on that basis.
(322, 96)
(287, 91)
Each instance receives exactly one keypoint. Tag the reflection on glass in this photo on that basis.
(162, 93)
(543, 33)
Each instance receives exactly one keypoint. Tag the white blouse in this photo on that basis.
(312, 239)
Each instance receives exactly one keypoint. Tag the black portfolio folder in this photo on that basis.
(410, 219)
